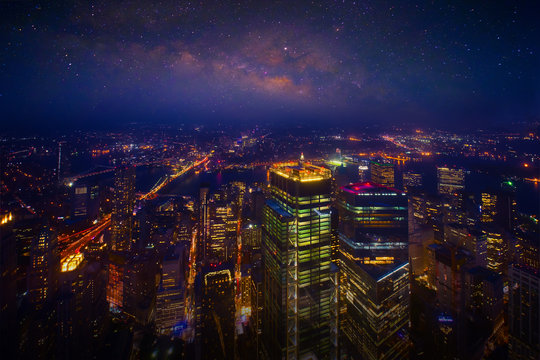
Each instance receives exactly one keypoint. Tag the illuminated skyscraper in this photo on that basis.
(411, 180)
(450, 180)
(363, 170)
(115, 282)
(296, 256)
(170, 296)
(374, 271)
(203, 221)
(123, 204)
(251, 235)
(497, 250)
(382, 173)
(498, 207)
(489, 204)
(217, 240)
(44, 267)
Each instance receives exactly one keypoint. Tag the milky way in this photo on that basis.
(179, 61)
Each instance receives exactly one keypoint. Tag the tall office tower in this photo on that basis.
(497, 250)
(257, 204)
(203, 220)
(170, 295)
(81, 307)
(446, 267)
(257, 301)
(450, 180)
(471, 239)
(217, 234)
(382, 173)
(251, 235)
(484, 294)
(524, 312)
(8, 292)
(72, 306)
(140, 286)
(411, 181)
(115, 281)
(488, 207)
(363, 170)
(374, 271)
(123, 204)
(217, 315)
(296, 256)
(528, 252)
(42, 277)
(85, 201)
(498, 207)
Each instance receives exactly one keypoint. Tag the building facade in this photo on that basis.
(296, 256)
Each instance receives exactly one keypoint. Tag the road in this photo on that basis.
(189, 316)
(91, 233)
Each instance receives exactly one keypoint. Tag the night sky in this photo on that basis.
(104, 62)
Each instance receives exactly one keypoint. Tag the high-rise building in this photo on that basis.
(217, 244)
(296, 256)
(115, 281)
(8, 292)
(140, 286)
(497, 251)
(382, 173)
(44, 267)
(203, 221)
(374, 271)
(81, 308)
(363, 170)
(411, 180)
(498, 207)
(524, 312)
(85, 201)
(170, 296)
(123, 204)
(450, 180)
(217, 315)
(251, 235)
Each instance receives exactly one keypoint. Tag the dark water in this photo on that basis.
(190, 183)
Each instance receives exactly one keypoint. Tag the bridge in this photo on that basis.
(87, 235)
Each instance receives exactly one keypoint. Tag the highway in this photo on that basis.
(91, 233)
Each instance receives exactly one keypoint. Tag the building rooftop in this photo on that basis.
(369, 187)
(301, 171)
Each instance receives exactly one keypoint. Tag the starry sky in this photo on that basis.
(81, 63)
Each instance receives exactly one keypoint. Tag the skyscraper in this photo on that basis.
(203, 220)
(450, 180)
(411, 180)
(44, 267)
(170, 295)
(382, 173)
(296, 256)
(217, 315)
(123, 204)
(524, 312)
(374, 271)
